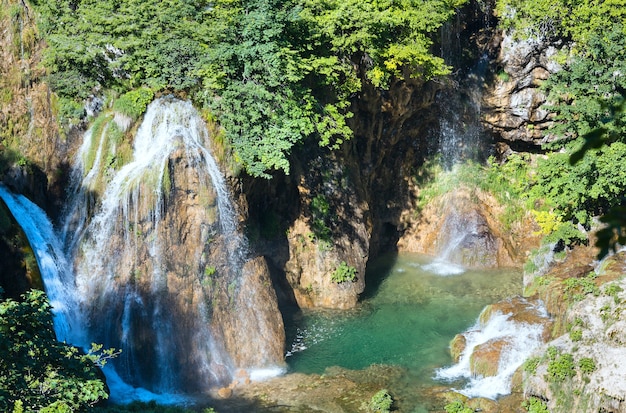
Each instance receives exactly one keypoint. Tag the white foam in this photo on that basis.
(443, 268)
(266, 373)
(522, 339)
(122, 392)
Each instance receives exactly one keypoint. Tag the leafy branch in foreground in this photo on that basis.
(38, 373)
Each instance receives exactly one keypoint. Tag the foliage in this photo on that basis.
(587, 365)
(561, 368)
(613, 290)
(564, 18)
(457, 407)
(134, 103)
(587, 97)
(37, 372)
(576, 335)
(344, 273)
(380, 402)
(577, 288)
(274, 72)
(535, 405)
(530, 365)
(320, 215)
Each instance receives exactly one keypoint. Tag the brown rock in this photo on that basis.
(457, 346)
(485, 358)
(225, 392)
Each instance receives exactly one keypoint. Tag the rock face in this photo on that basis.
(512, 104)
(33, 155)
(464, 227)
(18, 264)
(595, 345)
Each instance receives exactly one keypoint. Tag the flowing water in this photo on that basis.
(53, 265)
(407, 321)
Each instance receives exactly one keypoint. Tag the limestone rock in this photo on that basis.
(472, 213)
(601, 387)
(457, 346)
(512, 105)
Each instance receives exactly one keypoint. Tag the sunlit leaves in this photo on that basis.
(275, 73)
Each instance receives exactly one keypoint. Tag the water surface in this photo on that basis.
(406, 318)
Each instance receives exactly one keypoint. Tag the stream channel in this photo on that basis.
(411, 310)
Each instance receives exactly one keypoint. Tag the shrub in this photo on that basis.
(535, 405)
(457, 407)
(530, 365)
(343, 273)
(576, 335)
(37, 373)
(561, 368)
(134, 103)
(587, 365)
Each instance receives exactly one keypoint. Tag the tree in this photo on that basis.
(38, 373)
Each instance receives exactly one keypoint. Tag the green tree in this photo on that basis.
(275, 72)
(39, 373)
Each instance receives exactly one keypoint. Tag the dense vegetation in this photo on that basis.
(585, 175)
(274, 72)
(38, 373)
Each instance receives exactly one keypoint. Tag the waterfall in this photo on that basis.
(55, 269)
(514, 340)
(459, 140)
(129, 289)
(149, 260)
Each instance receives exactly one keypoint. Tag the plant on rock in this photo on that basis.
(380, 402)
(344, 273)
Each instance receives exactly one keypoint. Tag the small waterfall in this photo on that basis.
(512, 341)
(460, 140)
(53, 265)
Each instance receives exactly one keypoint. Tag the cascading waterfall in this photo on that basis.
(124, 278)
(518, 340)
(155, 264)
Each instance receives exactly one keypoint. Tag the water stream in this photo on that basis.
(408, 320)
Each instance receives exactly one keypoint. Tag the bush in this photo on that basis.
(535, 405)
(576, 335)
(530, 365)
(457, 407)
(561, 368)
(37, 373)
(134, 103)
(587, 365)
(343, 273)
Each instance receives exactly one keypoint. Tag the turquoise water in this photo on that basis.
(407, 318)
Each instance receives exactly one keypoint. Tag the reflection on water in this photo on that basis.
(407, 319)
